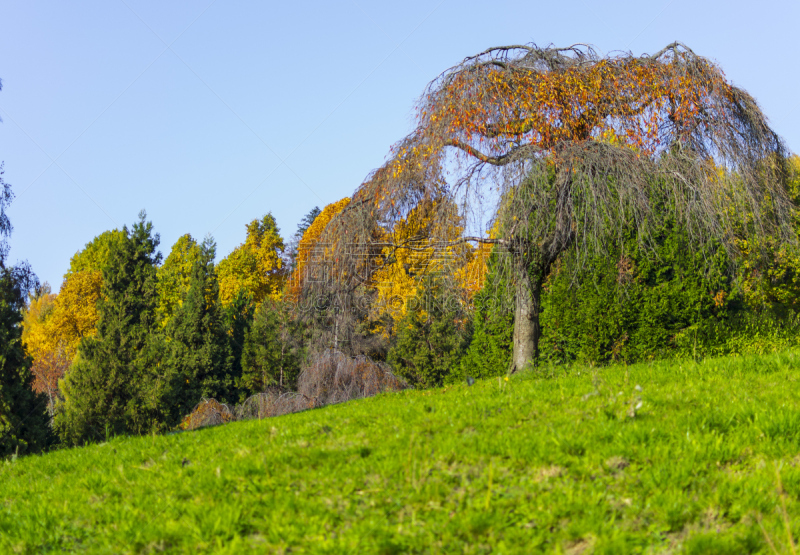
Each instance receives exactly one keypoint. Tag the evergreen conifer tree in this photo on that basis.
(23, 413)
(200, 355)
(489, 352)
(24, 426)
(294, 241)
(238, 317)
(272, 352)
(431, 337)
(109, 388)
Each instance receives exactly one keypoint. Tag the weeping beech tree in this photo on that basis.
(566, 149)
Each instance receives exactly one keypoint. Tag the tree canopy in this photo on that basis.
(256, 266)
(23, 415)
(174, 276)
(113, 387)
(564, 149)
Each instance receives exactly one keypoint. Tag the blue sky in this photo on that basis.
(209, 114)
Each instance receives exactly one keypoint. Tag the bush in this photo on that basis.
(331, 377)
(273, 402)
(208, 412)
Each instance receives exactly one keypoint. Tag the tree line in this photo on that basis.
(636, 208)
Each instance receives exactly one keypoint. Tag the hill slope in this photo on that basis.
(561, 463)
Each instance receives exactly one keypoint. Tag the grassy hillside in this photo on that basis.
(560, 463)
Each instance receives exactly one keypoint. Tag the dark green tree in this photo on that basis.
(273, 349)
(23, 413)
(633, 306)
(24, 425)
(111, 388)
(238, 317)
(432, 336)
(200, 355)
(307, 220)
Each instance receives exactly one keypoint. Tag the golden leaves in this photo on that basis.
(411, 256)
(255, 266)
(174, 276)
(54, 325)
(310, 240)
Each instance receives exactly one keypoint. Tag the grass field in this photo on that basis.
(564, 462)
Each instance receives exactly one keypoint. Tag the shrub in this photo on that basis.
(333, 377)
(272, 402)
(208, 412)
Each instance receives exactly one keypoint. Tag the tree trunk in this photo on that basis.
(530, 266)
(527, 329)
(283, 348)
(335, 332)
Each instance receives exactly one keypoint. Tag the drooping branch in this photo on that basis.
(447, 244)
(494, 160)
(565, 149)
(672, 47)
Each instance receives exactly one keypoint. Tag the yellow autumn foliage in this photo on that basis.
(75, 314)
(398, 280)
(53, 326)
(256, 266)
(35, 335)
(174, 276)
(405, 263)
(59, 322)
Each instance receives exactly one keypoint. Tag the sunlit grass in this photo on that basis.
(675, 457)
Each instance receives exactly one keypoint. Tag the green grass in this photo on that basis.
(558, 463)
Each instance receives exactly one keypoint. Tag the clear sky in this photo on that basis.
(209, 114)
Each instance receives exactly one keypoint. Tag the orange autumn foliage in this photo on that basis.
(312, 239)
(490, 107)
(634, 97)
